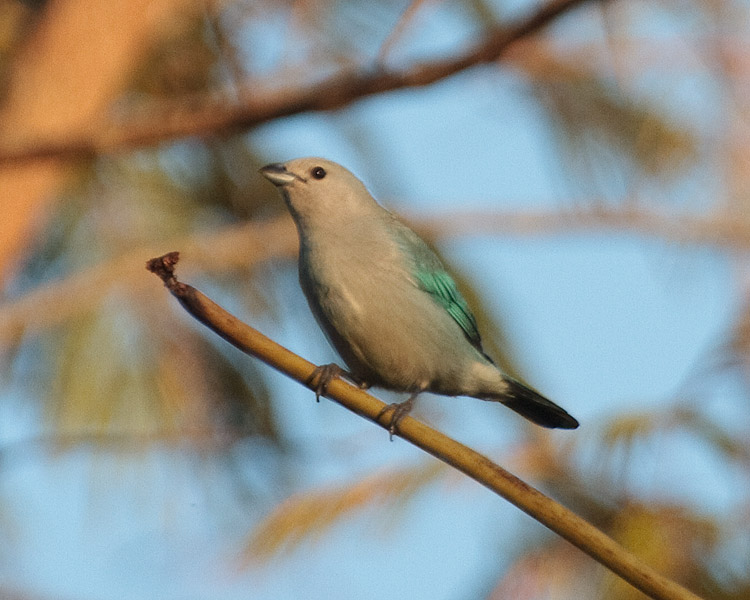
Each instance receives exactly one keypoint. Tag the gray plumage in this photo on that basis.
(384, 299)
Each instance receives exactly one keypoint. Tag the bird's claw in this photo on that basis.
(322, 376)
(399, 410)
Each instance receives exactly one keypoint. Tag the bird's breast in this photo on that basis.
(389, 332)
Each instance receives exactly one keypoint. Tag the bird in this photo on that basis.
(385, 301)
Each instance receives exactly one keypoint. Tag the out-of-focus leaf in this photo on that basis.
(628, 428)
(353, 28)
(736, 352)
(668, 538)
(117, 369)
(624, 431)
(307, 516)
(123, 374)
(599, 122)
(552, 571)
(184, 62)
(717, 438)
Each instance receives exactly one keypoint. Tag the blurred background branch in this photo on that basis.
(206, 115)
(239, 247)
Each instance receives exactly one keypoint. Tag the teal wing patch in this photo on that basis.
(443, 289)
(431, 276)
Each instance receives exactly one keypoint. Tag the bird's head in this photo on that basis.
(319, 189)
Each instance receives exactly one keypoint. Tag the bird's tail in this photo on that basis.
(533, 406)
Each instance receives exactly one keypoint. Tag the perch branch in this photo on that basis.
(545, 510)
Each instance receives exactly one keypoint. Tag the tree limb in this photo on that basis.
(220, 116)
(545, 510)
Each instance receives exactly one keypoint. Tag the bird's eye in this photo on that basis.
(318, 172)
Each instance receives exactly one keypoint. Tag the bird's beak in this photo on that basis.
(278, 174)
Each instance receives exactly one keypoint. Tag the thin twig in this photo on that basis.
(404, 21)
(553, 515)
(719, 230)
(220, 117)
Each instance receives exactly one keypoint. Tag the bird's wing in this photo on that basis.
(431, 277)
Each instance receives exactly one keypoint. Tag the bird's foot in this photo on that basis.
(399, 411)
(323, 375)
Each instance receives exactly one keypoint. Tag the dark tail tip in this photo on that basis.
(535, 407)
